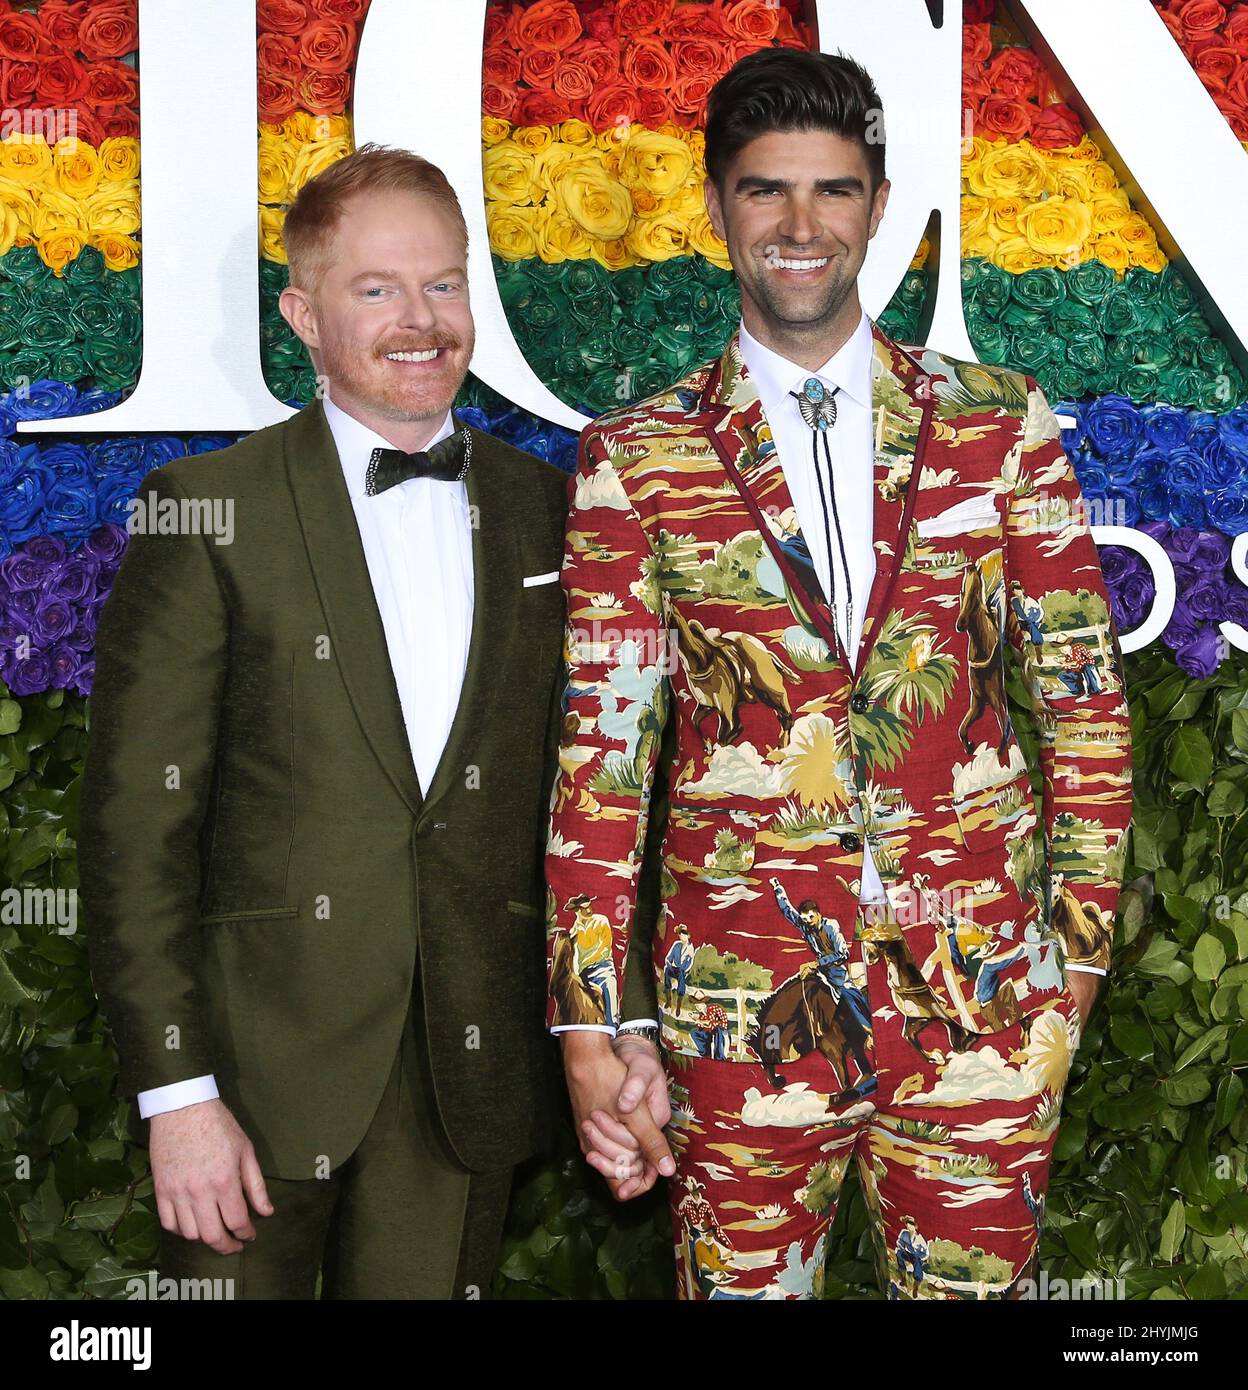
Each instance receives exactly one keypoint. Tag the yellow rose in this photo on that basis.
(983, 243)
(548, 165)
(56, 212)
(1016, 254)
(508, 174)
(613, 254)
(119, 159)
(975, 212)
(973, 152)
(696, 140)
(1087, 151)
(533, 138)
(75, 168)
(303, 126)
(1071, 181)
(1056, 226)
(658, 163)
(578, 134)
(26, 161)
(614, 139)
(494, 129)
(9, 226)
(559, 238)
(1149, 257)
(57, 249)
(688, 200)
(1005, 212)
(705, 242)
(594, 200)
(313, 157)
(113, 209)
(1101, 179)
(18, 200)
(1109, 211)
(119, 252)
(1113, 251)
(659, 238)
(512, 231)
(921, 255)
(645, 204)
(1010, 170)
(274, 162)
(272, 248)
(1136, 231)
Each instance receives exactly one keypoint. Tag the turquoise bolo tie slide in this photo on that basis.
(818, 406)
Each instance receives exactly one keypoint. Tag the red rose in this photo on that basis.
(977, 11)
(110, 30)
(1236, 31)
(1200, 16)
(602, 59)
(276, 96)
(976, 45)
(62, 80)
(1056, 127)
(278, 53)
(118, 122)
(552, 24)
(647, 63)
(348, 10)
(1016, 72)
(17, 83)
(600, 25)
(696, 57)
(1197, 43)
(612, 103)
(23, 38)
(689, 97)
(282, 16)
(87, 125)
(573, 81)
(112, 83)
(1006, 116)
(547, 108)
(753, 20)
(975, 91)
(538, 68)
(654, 108)
(1217, 64)
(497, 27)
(325, 93)
(1235, 112)
(1237, 87)
(698, 20)
(328, 46)
(499, 99)
(499, 64)
(1175, 25)
(61, 20)
(642, 16)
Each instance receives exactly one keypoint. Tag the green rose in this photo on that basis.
(1117, 311)
(990, 339)
(1031, 351)
(1039, 289)
(1090, 282)
(1085, 352)
(1176, 293)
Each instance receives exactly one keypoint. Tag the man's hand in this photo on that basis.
(202, 1164)
(625, 1145)
(1085, 987)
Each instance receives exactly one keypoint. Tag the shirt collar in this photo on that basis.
(355, 443)
(775, 376)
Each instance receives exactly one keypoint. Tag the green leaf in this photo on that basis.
(10, 716)
(1209, 957)
(1173, 1229)
(1191, 757)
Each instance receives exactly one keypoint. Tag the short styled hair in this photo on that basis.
(788, 89)
(313, 217)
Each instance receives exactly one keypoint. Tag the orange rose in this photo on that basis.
(110, 29)
(61, 20)
(689, 96)
(1201, 16)
(642, 16)
(538, 67)
(500, 64)
(61, 80)
(1006, 116)
(17, 83)
(976, 45)
(328, 46)
(552, 24)
(698, 58)
(573, 81)
(539, 107)
(112, 83)
(276, 96)
(350, 10)
(115, 123)
(690, 19)
(602, 59)
(324, 93)
(1016, 72)
(647, 63)
(23, 38)
(1216, 65)
(282, 16)
(753, 20)
(500, 99)
(277, 53)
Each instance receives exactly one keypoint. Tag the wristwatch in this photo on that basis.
(647, 1032)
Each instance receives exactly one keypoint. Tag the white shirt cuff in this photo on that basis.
(176, 1096)
(1088, 969)
(583, 1028)
(638, 1023)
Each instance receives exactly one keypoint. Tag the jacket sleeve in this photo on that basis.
(1074, 677)
(615, 710)
(162, 651)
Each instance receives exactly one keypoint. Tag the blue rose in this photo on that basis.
(158, 449)
(210, 443)
(44, 400)
(1228, 510)
(117, 456)
(66, 460)
(1113, 425)
(1165, 426)
(70, 507)
(1233, 431)
(24, 483)
(114, 495)
(1186, 508)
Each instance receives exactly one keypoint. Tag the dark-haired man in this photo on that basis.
(837, 721)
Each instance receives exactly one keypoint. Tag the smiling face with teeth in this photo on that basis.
(797, 210)
(389, 325)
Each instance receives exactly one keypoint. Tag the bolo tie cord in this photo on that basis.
(824, 413)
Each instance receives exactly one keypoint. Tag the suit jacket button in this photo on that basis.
(858, 702)
(851, 842)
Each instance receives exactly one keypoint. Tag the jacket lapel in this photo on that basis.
(340, 571)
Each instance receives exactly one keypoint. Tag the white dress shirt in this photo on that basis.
(417, 541)
(853, 465)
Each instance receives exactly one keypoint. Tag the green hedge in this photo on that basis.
(1150, 1168)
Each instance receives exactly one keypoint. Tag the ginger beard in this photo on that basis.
(398, 390)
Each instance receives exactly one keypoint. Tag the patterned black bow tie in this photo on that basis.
(447, 461)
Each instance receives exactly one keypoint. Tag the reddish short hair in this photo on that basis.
(313, 217)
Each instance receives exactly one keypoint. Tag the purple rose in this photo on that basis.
(52, 620)
(1181, 628)
(1237, 603)
(1135, 596)
(1117, 561)
(107, 542)
(65, 662)
(1200, 655)
(28, 677)
(1206, 598)
(86, 675)
(74, 579)
(23, 572)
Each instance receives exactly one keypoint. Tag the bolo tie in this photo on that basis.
(818, 409)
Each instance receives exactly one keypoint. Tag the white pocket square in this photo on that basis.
(970, 514)
(531, 579)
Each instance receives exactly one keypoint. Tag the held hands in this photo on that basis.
(202, 1165)
(620, 1104)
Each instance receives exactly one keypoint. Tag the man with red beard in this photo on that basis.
(320, 763)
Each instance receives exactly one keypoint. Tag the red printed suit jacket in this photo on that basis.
(691, 599)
